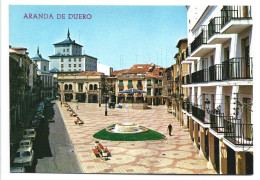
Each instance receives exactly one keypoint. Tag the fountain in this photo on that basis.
(127, 128)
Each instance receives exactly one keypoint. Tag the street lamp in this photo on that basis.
(99, 94)
(106, 97)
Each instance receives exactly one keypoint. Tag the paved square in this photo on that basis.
(175, 155)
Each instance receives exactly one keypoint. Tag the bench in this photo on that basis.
(98, 151)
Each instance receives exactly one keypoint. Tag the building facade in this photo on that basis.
(25, 88)
(219, 86)
(145, 77)
(81, 87)
(68, 57)
(48, 80)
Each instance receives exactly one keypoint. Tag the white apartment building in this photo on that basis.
(68, 57)
(219, 85)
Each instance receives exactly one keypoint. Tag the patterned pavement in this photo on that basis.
(175, 155)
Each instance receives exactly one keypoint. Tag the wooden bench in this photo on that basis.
(96, 152)
(99, 150)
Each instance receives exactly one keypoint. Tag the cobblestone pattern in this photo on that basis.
(175, 155)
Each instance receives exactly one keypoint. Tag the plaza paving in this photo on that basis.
(175, 155)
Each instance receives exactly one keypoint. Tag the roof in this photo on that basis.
(12, 51)
(155, 72)
(139, 69)
(53, 70)
(19, 48)
(180, 41)
(41, 71)
(118, 72)
(89, 73)
(61, 55)
(67, 41)
(38, 57)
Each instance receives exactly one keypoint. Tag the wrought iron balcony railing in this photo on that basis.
(214, 26)
(198, 113)
(238, 133)
(234, 12)
(200, 76)
(200, 39)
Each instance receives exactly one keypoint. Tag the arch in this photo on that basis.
(66, 87)
(91, 87)
(70, 87)
(95, 87)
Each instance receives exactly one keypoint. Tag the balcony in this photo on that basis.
(237, 68)
(200, 76)
(198, 113)
(187, 107)
(218, 122)
(200, 39)
(238, 133)
(232, 69)
(235, 19)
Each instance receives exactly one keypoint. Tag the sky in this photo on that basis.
(118, 36)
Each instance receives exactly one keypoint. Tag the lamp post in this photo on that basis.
(106, 105)
(99, 94)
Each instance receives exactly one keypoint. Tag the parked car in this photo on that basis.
(35, 123)
(24, 156)
(25, 143)
(17, 169)
(29, 134)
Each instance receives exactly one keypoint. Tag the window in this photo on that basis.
(61, 59)
(75, 70)
(79, 59)
(149, 82)
(63, 50)
(139, 83)
(68, 50)
(79, 65)
(91, 87)
(160, 82)
(79, 69)
(130, 83)
(44, 68)
(69, 60)
(61, 65)
(69, 65)
(75, 65)
(121, 83)
(75, 59)
(95, 87)
(148, 92)
(69, 70)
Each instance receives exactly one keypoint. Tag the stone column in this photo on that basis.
(211, 163)
(202, 141)
(74, 91)
(223, 157)
(62, 95)
(191, 127)
(86, 87)
(240, 163)
(196, 133)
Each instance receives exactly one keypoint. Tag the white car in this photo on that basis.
(29, 134)
(24, 156)
(25, 143)
(17, 169)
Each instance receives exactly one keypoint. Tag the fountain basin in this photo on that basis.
(127, 127)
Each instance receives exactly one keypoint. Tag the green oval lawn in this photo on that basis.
(144, 136)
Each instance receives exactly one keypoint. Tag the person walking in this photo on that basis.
(170, 129)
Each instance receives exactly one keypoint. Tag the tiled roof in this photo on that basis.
(139, 69)
(155, 72)
(89, 73)
(181, 40)
(19, 48)
(12, 51)
(119, 72)
(53, 70)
